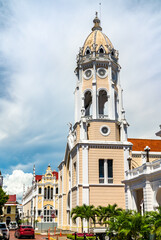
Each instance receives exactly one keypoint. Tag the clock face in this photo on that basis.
(102, 72)
(88, 74)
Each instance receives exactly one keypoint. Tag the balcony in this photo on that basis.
(146, 169)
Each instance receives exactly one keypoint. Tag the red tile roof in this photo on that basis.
(140, 144)
(12, 198)
(38, 178)
(55, 174)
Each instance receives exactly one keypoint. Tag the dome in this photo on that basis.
(97, 38)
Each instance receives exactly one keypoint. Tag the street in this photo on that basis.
(38, 237)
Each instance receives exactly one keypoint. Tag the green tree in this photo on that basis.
(78, 212)
(89, 213)
(104, 213)
(129, 225)
(3, 199)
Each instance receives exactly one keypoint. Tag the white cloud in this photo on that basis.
(39, 43)
(13, 184)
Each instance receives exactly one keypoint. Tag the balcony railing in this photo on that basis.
(146, 168)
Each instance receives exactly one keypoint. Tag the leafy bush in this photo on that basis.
(88, 236)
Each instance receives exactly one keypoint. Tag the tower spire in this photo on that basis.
(33, 180)
(96, 22)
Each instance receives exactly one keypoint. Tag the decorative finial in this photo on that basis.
(96, 23)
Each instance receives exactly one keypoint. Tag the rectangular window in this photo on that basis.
(110, 171)
(105, 171)
(101, 170)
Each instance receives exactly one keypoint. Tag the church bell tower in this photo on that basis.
(98, 94)
(97, 148)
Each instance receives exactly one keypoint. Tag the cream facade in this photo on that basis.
(97, 147)
(40, 201)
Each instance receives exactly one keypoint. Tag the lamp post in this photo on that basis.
(129, 162)
(147, 150)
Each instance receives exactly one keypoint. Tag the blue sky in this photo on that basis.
(39, 43)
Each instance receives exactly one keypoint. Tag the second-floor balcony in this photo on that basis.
(146, 169)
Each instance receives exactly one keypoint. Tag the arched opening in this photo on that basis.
(88, 51)
(39, 190)
(45, 193)
(116, 106)
(48, 192)
(88, 103)
(101, 50)
(51, 193)
(103, 102)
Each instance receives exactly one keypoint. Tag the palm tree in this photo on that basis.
(78, 212)
(89, 213)
(104, 213)
(129, 225)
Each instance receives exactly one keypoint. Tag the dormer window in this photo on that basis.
(88, 51)
(101, 50)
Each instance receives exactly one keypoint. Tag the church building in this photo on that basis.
(40, 201)
(97, 147)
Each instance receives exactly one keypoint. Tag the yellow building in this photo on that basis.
(40, 201)
(10, 210)
(97, 147)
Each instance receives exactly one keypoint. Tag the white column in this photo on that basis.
(62, 195)
(77, 183)
(85, 179)
(54, 194)
(126, 155)
(42, 205)
(128, 198)
(148, 197)
(111, 93)
(36, 202)
(94, 93)
(71, 189)
(105, 171)
(120, 104)
(134, 199)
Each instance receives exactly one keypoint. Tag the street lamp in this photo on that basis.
(147, 150)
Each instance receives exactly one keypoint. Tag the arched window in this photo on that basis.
(39, 190)
(45, 193)
(48, 197)
(103, 103)
(57, 190)
(88, 51)
(51, 193)
(88, 103)
(47, 213)
(116, 106)
(101, 50)
(8, 209)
